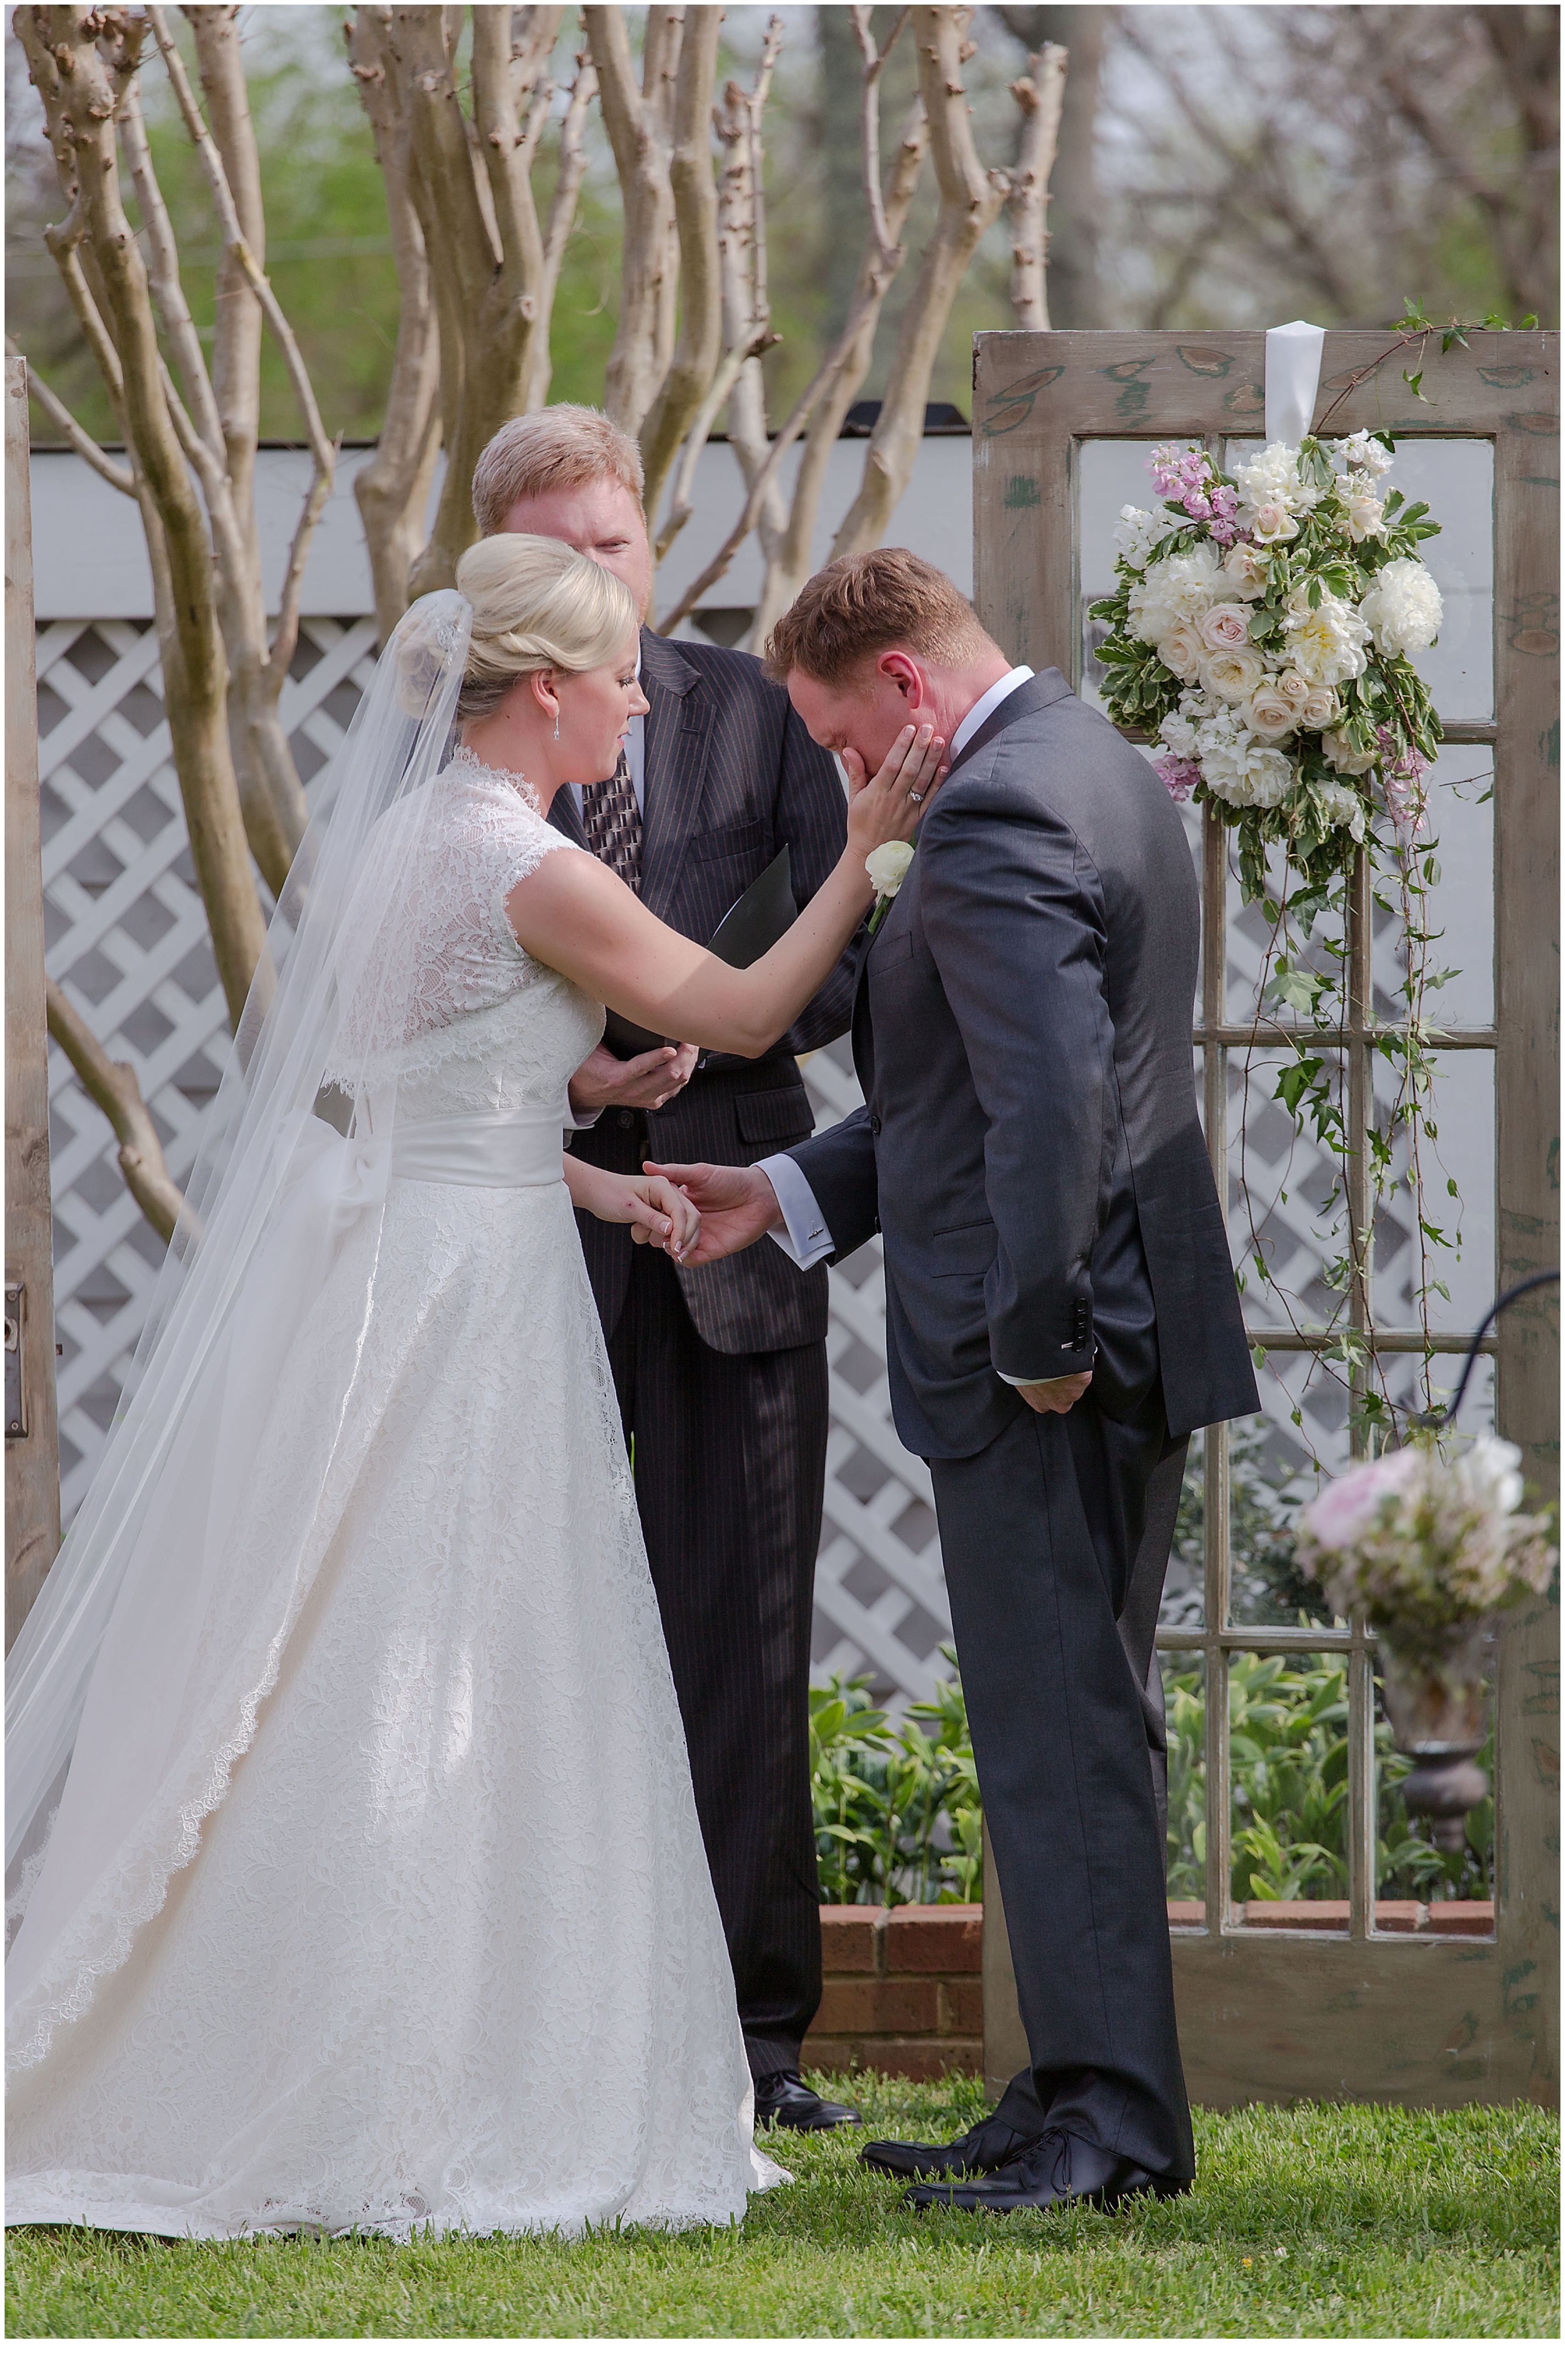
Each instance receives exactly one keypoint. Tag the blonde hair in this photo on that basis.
(562, 446)
(537, 604)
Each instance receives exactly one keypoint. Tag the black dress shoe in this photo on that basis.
(1057, 2170)
(989, 2147)
(784, 2099)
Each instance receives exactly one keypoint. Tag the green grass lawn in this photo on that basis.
(1320, 2221)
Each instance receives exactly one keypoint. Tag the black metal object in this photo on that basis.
(1443, 1787)
(1442, 1417)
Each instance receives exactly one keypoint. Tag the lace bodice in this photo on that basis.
(484, 1026)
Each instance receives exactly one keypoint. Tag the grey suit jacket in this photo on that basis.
(1029, 1147)
(731, 777)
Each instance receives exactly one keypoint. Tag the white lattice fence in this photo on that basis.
(127, 936)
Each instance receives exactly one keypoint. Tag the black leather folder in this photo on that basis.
(757, 920)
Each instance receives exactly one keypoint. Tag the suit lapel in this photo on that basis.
(565, 816)
(678, 733)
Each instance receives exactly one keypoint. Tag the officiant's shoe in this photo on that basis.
(1058, 2169)
(989, 2147)
(784, 2099)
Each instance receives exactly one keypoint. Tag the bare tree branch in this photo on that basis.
(970, 199)
(114, 1087)
(637, 122)
(1040, 96)
(694, 359)
(83, 64)
(393, 490)
(562, 217)
(67, 425)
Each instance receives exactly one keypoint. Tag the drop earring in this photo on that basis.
(556, 728)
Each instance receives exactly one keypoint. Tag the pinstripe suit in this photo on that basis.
(722, 1373)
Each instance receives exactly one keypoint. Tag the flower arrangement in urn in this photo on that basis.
(1260, 634)
(1427, 1549)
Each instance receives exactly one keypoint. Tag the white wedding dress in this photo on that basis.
(418, 1933)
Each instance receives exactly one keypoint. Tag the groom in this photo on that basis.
(1060, 1315)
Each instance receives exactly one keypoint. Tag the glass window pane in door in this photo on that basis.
(1460, 1103)
(1184, 1703)
(1272, 1457)
(1288, 1747)
(1420, 1888)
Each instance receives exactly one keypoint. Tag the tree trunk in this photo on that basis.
(637, 124)
(693, 362)
(83, 63)
(970, 199)
(393, 490)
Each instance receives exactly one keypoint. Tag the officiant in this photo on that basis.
(721, 1374)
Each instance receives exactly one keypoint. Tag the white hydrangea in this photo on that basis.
(1272, 478)
(1402, 607)
(1223, 744)
(1178, 732)
(1491, 1470)
(1359, 453)
(1175, 593)
(1139, 531)
(1341, 804)
(1329, 645)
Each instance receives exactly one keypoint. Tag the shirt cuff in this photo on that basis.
(803, 1233)
(583, 1122)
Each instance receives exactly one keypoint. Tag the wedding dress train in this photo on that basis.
(416, 1929)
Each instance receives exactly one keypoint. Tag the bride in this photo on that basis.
(356, 1875)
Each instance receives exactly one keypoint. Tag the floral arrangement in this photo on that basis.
(1424, 1549)
(1261, 634)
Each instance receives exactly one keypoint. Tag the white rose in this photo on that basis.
(1247, 570)
(1340, 754)
(1365, 512)
(1226, 627)
(1328, 645)
(1267, 776)
(886, 867)
(1229, 677)
(1181, 651)
(1319, 707)
(1272, 523)
(1269, 711)
(1402, 607)
(1295, 690)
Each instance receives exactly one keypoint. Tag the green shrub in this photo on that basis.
(896, 1803)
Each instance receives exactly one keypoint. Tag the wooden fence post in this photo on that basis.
(33, 1447)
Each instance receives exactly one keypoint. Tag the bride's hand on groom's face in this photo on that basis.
(886, 808)
(736, 1205)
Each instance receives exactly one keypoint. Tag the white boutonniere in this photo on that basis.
(886, 867)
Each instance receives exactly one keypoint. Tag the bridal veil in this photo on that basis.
(288, 1176)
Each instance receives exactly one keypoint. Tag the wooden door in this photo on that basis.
(1353, 1986)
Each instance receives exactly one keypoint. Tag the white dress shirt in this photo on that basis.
(803, 1233)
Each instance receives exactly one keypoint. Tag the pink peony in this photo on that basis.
(1341, 1511)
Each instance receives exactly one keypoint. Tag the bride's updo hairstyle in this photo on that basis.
(537, 604)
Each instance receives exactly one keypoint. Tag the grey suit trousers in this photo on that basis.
(1055, 1541)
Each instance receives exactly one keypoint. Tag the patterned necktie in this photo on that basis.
(612, 824)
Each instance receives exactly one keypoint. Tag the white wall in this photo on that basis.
(90, 559)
